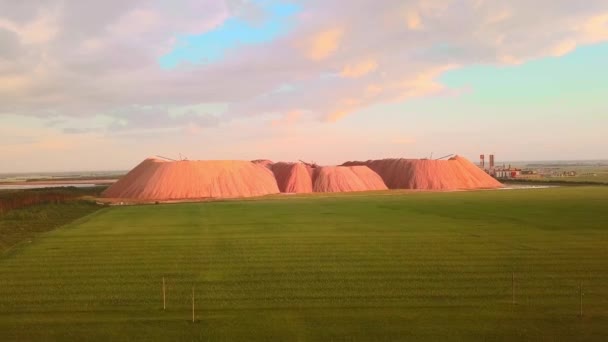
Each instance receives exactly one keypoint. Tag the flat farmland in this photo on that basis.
(483, 265)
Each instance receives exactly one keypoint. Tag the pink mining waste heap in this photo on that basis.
(457, 173)
(346, 179)
(293, 177)
(158, 179)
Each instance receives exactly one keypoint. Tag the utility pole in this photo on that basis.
(164, 296)
(513, 287)
(192, 304)
(580, 289)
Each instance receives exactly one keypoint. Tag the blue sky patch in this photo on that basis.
(234, 32)
(580, 75)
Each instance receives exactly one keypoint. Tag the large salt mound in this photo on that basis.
(456, 173)
(158, 179)
(346, 179)
(293, 177)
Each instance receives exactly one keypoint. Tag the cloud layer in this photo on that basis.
(96, 67)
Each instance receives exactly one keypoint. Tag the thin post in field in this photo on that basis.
(164, 295)
(192, 304)
(580, 290)
(513, 288)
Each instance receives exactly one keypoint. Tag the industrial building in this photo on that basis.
(500, 172)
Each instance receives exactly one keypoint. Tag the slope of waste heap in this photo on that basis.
(456, 173)
(293, 177)
(346, 179)
(159, 179)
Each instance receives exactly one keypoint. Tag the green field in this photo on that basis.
(586, 174)
(21, 225)
(381, 267)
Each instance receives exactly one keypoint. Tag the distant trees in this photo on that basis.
(10, 200)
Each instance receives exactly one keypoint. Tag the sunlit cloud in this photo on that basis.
(288, 119)
(563, 48)
(413, 20)
(596, 28)
(359, 69)
(324, 43)
(41, 29)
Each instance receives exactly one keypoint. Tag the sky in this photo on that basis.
(101, 85)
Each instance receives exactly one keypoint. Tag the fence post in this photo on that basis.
(164, 296)
(513, 288)
(192, 304)
(580, 290)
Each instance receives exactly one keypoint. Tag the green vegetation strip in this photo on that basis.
(21, 225)
(562, 181)
(15, 199)
(417, 266)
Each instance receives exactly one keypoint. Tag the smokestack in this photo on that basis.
(482, 161)
(491, 161)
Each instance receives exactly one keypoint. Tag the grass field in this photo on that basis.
(413, 266)
(600, 178)
(23, 224)
(585, 175)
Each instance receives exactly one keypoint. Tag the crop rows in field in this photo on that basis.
(381, 267)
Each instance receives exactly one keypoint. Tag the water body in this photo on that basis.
(8, 177)
(525, 186)
(44, 186)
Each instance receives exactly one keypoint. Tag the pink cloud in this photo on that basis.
(413, 20)
(595, 29)
(323, 44)
(359, 69)
(288, 119)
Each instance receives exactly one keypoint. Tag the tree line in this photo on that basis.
(10, 200)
